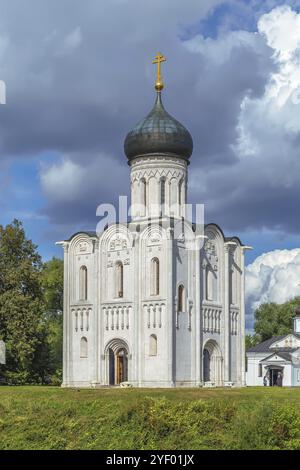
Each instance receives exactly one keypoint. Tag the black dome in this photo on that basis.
(158, 133)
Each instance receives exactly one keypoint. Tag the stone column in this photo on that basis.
(197, 314)
(138, 320)
(66, 320)
(226, 315)
(170, 324)
(97, 316)
(242, 319)
(190, 301)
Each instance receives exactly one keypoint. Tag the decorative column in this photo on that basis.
(138, 320)
(170, 327)
(167, 196)
(96, 317)
(226, 315)
(227, 332)
(66, 320)
(197, 313)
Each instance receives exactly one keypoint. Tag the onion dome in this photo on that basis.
(159, 133)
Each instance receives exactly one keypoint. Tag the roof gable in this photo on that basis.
(278, 357)
(288, 341)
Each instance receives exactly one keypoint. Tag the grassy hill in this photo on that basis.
(54, 418)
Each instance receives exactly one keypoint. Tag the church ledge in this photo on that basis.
(226, 239)
(154, 384)
(93, 234)
(159, 155)
(90, 234)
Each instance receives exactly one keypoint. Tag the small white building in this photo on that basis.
(276, 361)
(139, 304)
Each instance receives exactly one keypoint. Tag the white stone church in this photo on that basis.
(156, 301)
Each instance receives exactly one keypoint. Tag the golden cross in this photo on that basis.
(158, 60)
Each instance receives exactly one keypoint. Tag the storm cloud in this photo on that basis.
(79, 76)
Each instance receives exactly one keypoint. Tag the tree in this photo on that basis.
(21, 302)
(52, 286)
(275, 319)
(31, 303)
(251, 340)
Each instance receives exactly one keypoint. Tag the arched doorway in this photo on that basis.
(212, 363)
(206, 365)
(116, 355)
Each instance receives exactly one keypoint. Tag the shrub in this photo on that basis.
(266, 426)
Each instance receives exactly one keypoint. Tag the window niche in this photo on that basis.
(153, 345)
(83, 283)
(155, 281)
(181, 305)
(119, 279)
(83, 347)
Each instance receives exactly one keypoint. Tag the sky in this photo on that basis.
(78, 77)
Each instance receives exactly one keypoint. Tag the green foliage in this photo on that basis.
(20, 263)
(180, 419)
(160, 424)
(251, 340)
(30, 310)
(275, 319)
(21, 302)
(22, 330)
(52, 285)
(267, 426)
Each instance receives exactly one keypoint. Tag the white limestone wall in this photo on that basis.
(183, 351)
(155, 368)
(154, 312)
(183, 321)
(149, 172)
(214, 331)
(233, 359)
(103, 317)
(117, 316)
(80, 314)
(223, 301)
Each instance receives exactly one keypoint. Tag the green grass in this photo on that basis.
(54, 418)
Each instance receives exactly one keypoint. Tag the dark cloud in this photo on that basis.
(79, 76)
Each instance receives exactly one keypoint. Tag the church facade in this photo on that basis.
(157, 301)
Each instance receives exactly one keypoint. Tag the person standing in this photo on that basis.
(265, 381)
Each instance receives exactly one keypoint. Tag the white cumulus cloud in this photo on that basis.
(62, 180)
(272, 277)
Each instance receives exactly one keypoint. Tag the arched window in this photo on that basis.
(180, 189)
(83, 283)
(119, 280)
(162, 194)
(144, 195)
(209, 283)
(153, 345)
(155, 276)
(181, 298)
(83, 347)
